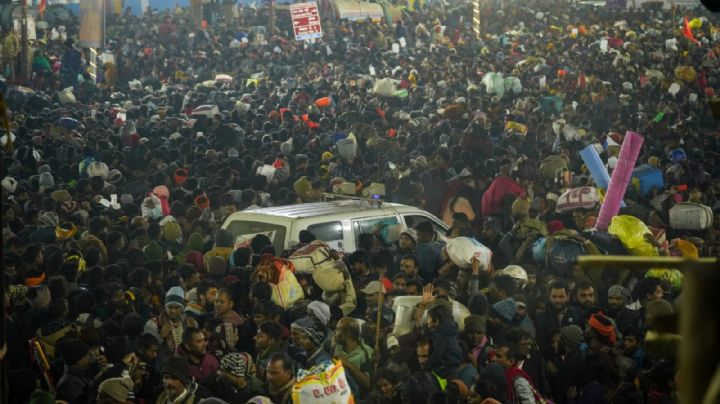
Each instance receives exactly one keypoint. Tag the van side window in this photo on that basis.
(327, 232)
(390, 227)
(412, 220)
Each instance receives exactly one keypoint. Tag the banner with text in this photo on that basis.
(305, 20)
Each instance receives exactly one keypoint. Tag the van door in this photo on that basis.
(389, 227)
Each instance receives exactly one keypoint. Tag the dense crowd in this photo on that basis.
(114, 192)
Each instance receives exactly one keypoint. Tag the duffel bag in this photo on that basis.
(690, 216)
(312, 256)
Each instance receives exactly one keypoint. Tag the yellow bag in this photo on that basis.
(695, 23)
(631, 232)
(322, 384)
(672, 276)
(685, 73)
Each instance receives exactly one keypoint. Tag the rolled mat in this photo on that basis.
(629, 152)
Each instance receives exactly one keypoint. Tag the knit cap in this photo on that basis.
(320, 310)
(619, 291)
(237, 364)
(505, 309)
(153, 252)
(171, 232)
(195, 242)
(571, 335)
(176, 295)
(315, 331)
(117, 388)
(9, 184)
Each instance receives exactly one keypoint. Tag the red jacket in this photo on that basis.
(208, 364)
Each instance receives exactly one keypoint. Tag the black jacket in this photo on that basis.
(445, 352)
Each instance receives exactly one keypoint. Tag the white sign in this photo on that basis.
(305, 20)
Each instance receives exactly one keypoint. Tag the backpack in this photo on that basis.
(286, 290)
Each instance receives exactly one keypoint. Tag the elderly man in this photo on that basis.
(308, 335)
(356, 356)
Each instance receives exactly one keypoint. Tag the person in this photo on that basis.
(519, 388)
(71, 64)
(445, 355)
(585, 299)
(308, 335)
(115, 390)
(234, 382)
(268, 341)
(168, 328)
(194, 348)
(176, 382)
(356, 356)
(428, 251)
(280, 374)
(72, 386)
(624, 317)
(224, 305)
(561, 314)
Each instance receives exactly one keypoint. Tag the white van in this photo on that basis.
(338, 223)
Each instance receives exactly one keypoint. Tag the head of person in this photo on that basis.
(409, 265)
(648, 290)
(235, 367)
(267, 334)
(559, 296)
(407, 241)
(279, 370)
(115, 390)
(425, 232)
(307, 334)
(585, 295)
(399, 281)
(224, 302)
(631, 340)
(266, 310)
(438, 315)
(422, 351)
(194, 341)
(359, 262)
(147, 348)
(414, 286)
(386, 383)
(206, 293)
(618, 297)
(373, 292)
(174, 303)
(475, 330)
(379, 264)
(506, 355)
(347, 332)
(75, 353)
(175, 376)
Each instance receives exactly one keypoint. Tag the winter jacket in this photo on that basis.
(73, 386)
(445, 352)
(345, 299)
(429, 259)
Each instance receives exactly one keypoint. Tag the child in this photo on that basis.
(445, 354)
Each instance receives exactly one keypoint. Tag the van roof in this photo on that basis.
(304, 210)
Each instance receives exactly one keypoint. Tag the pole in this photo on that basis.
(25, 49)
(377, 334)
(271, 20)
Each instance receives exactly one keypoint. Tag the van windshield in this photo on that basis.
(244, 231)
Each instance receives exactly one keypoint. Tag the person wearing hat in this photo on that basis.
(356, 356)
(308, 335)
(176, 382)
(234, 381)
(72, 386)
(479, 342)
(372, 292)
(624, 317)
(169, 326)
(115, 390)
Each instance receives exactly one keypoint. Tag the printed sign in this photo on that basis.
(305, 21)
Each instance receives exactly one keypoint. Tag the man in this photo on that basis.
(618, 298)
(202, 299)
(168, 327)
(406, 245)
(479, 342)
(280, 377)
(428, 251)
(194, 348)
(268, 341)
(648, 290)
(224, 304)
(409, 266)
(520, 389)
(234, 383)
(359, 263)
(146, 350)
(175, 381)
(308, 335)
(422, 352)
(356, 356)
(560, 314)
(73, 386)
(373, 292)
(585, 299)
